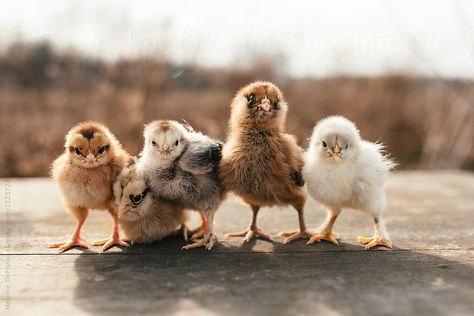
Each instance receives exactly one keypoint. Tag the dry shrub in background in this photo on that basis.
(425, 123)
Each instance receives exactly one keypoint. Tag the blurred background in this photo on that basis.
(402, 70)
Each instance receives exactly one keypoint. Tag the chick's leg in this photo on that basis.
(253, 230)
(325, 232)
(201, 230)
(294, 235)
(115, 239)
(209, 238)
(380, 237)
(195, 233)
(76, 239)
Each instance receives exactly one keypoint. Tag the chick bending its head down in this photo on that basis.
(143, 217)
(342, 170)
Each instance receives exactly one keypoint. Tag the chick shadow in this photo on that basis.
(234, 280)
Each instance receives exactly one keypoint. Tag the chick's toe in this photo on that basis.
(250, 234)
(331, 237)
(371, 242)
(294, 235)
(110, 242)
(208, 243)
(66, 245)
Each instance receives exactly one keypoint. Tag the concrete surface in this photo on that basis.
(431, 271)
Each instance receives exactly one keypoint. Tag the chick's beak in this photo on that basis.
(336, 152)
(165, 149)
(265, 105)
(90, 158)
(123, 209)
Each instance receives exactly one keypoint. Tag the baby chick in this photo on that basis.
(342, 170)
(181, 165)
(85, 173)
(260, 162)
(142, 217)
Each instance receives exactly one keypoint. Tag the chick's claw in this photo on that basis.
(331, 237)
(209, 244)
(249, 234)
(109, 242)
(371, 242)
(294, 235)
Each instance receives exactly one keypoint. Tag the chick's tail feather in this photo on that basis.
(391, 164)
(389, 161)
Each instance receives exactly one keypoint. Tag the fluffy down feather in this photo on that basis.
(261, 163)
(143, 217)
(85, 174)
(181, 165)
(344, 171)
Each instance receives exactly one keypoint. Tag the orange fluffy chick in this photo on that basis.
(260, 162)
(85, 173)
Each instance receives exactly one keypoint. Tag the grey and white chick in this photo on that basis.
(144, 218)
(181, 165)
(343, 171)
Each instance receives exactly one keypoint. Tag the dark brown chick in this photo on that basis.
(261, 163)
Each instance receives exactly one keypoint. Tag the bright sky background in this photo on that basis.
(318, 38)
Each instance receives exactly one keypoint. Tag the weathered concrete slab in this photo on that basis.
(431, 272)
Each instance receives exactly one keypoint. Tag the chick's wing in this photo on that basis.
(294, 155)
(201, 157)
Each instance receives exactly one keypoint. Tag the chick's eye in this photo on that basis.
(347, 146)
(136, 199)
(251, 99)
(324, 144)
(276, 106)
(78, 151)
(101, 150)
(153, 143)
(176, 143)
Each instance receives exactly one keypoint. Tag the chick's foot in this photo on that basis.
(249, 234)
(68, 244)
(207, 243)
(109, 242)
(371, 242)
(331, 237)
(294, 235)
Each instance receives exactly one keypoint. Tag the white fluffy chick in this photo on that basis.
(144, 218)
(181, 166)
(343, 171)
